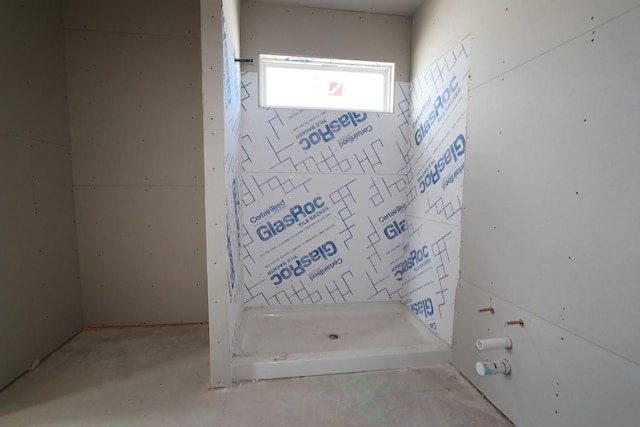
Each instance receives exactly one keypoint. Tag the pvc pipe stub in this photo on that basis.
(501, 366)
(493, 343)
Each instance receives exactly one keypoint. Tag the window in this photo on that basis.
(327, 84)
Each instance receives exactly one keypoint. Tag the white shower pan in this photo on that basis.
(292, 341)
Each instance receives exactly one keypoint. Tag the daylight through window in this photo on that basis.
(327, 84)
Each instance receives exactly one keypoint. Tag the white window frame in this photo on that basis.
(385, 69)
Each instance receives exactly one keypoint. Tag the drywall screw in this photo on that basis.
(483, 310)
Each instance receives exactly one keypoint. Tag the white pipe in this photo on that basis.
(493, 343)
(501, 366)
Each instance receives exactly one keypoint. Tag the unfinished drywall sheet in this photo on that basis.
(434, 196)
(558, 374)
(143, 250)
(169, 17)
(136, 113)
(221, 114)
(546, 239)
(325, 33)
(514, 35)
(40, 302)
(570, 253)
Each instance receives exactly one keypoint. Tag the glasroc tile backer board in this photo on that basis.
(358, 206)
(232, 119)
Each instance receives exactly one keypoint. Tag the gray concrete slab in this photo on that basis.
(156, 377)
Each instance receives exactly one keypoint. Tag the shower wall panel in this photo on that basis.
(232, 115)
(354, 206)
(434, 196)
(324, 200)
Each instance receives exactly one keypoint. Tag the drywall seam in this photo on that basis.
(135, 96)
(62, 145)
(134, 33)
(533, 58)
(557, 325)
(40, 306)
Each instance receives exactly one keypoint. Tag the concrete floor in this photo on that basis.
(154, 377)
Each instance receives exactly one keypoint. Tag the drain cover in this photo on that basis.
(334, 336)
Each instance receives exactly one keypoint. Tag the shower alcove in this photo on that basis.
(341, 229)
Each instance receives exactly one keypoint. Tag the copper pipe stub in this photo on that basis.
(489, 309)
(516, 322)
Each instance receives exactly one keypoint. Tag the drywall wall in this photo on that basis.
(40, 301)
(324, 33)
(221, 117)
(386, 7)
(548, 233)
(136, 119)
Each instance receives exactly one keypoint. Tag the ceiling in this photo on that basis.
(386, 7)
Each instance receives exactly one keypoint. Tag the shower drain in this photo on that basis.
(334, 336)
